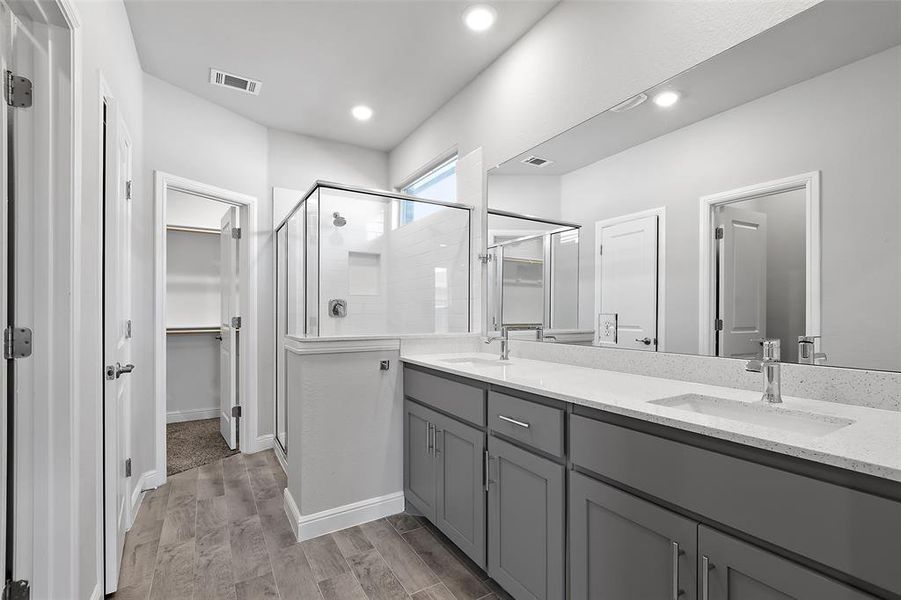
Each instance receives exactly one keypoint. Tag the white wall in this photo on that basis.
(191, 137)
(533, 195)
(819, 124)
(582, 58)
(188, 210)
(107, 50)
(297, 161)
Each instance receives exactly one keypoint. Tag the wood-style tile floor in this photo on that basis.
(219, 532)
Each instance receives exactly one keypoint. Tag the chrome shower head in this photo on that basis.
(338, 220)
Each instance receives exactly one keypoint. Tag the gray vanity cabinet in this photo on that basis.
(420, 468)
(526, 522)
(626, 548)
(460, 505)
(729, 569)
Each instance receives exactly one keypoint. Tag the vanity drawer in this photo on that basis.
(461, 400)
(848, 530)
(535, 424)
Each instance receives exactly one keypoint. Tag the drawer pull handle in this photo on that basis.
(705, 578)
(514, 421)
(676, 553)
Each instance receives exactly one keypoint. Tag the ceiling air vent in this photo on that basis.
(537, 161)
(221, 78)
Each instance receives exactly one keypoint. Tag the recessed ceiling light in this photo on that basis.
(480, 17)
(666, 99)
(361, 112)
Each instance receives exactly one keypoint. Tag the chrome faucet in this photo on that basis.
(504, 337)
(770, 366)
(807, 354)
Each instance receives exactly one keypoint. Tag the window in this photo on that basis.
(439, 183)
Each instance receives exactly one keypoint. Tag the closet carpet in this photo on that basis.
(193, 444)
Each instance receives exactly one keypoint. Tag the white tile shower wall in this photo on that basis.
(875, 389)
(428, 279)
(364, 232)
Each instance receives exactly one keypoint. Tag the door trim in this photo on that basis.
(660, 213)
(247, 254)
(810, 183)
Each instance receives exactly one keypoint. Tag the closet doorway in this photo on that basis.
(205, 265)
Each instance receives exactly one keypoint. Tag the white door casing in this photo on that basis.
(229, 326)
(117, 349)
(810, 183)
(627, 251)
(741, 281)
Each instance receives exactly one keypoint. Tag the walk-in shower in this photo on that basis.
(354, 262)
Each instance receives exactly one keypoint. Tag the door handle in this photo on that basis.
(117, 370)
(646, 341)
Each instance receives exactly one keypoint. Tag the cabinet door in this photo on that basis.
(729, 569)
(525, 523)
(460, 506)
(625, 548)
(419, 463)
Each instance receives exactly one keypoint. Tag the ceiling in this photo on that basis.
(816, 41)
(317, 59)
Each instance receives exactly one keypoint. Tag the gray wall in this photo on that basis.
(845, 124)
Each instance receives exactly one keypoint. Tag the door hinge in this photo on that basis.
(600, 249)
(236, 322)
(128, 329)
(16, 590)
(16, 342)
(719, 233)
(718, 324)
(18, 91)
(236, 411)
(128, 467)
(484, 258)
(236, 233)
(128, 187)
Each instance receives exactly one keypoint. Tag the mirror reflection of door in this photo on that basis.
(761, 274)
(627, 279)
(741, 281)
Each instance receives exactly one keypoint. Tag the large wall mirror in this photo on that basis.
(756, 195)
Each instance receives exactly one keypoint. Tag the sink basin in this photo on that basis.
(475, 361)
(765, 415)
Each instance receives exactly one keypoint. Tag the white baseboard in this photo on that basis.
(153, 479)
(335, 519)
(264, 442)
(97, 593)
(194, 414)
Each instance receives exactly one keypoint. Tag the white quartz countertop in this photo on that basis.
(871, 444)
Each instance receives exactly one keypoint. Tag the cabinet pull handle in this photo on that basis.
(485, 455)
(514, 421)
(705, 578)
(676, 553)
(428, 438)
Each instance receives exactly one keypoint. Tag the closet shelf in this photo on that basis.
(187, 229)
(191, 330)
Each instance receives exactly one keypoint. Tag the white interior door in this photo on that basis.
(229, 325)
(117, 277)
(627, 280)
(741, 285)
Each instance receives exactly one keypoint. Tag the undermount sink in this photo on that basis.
(765, 415)
(475, 361)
